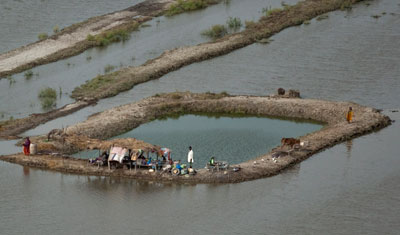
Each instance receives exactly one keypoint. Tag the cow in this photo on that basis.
(290, 142)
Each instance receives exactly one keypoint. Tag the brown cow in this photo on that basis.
(290, 141)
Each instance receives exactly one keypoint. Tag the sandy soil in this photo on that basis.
(71, 41)
(120, 119)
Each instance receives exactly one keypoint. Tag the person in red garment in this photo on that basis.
(26, 145)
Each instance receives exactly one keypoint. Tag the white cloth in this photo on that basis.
(190, 156)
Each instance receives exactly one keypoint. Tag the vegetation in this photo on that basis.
(56, 29)
(48, 97)
(11, 80)
(109, 68)
(306, 22)
(322, 17)
(234, 23)
(90, 87)
(116, 35)
(268, 10)
(113, 83)
(28, 74)
(346, 5)
(42, 36)
(249, 24)
(187, 5)
(216, 31)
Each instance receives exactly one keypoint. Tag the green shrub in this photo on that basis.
(216, 31)
(189, 5)
(42, 36)
(56, 29)
(234, 23)
(48, 93)
(269, 11)
(28, 74)
(109, 68)
(104, 39)
(48, 97)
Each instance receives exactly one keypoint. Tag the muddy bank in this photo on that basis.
(11, 128)
(278, 19)
(123, 118)
(73, 40)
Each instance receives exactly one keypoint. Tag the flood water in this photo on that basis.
(164, 33)
(233, 139)
(351, 188)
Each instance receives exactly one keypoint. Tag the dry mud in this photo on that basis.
(72, 40)
(126, 117)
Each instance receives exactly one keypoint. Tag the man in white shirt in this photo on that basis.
(190, 156)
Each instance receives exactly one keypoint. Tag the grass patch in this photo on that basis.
(42, 36)
(249, 24)
(187, 5)
(28, 74)
(89, 89)
(48, 97)
(56, 29)
(346, 5)
(269, 11)
(216, 31)
(234, 23)
(306, 22)
(145, 25)
(11, 80)
(323, 17)
(109, 68)
(116, 35)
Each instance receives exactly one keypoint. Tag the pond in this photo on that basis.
(230, 138)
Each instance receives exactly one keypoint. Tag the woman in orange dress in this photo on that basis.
(26, 145)
(349, 116)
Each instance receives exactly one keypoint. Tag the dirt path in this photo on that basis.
(72, 40)
(123, 118)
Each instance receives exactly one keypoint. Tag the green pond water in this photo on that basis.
(233, 139)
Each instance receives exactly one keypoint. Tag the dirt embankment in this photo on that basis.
(10, 129)
(124, 79)
(73, 40)
(123, 118)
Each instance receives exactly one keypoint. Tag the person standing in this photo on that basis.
(349, 116)
(27, 145)
(190, 156)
